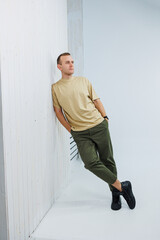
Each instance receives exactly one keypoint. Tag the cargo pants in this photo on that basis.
(95, 148)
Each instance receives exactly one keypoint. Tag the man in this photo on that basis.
(88, 124)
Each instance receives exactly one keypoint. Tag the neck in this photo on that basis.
(66, 76)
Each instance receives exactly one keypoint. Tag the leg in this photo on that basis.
(117, 185)
(88, 153)
(101, 137)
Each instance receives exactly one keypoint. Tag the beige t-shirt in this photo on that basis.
(75, 96)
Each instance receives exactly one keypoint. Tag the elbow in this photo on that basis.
(57, 111)
(96, 100)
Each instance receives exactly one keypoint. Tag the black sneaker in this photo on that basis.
(116, 200)
(128, 194)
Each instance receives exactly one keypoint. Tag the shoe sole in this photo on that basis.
(115, 209)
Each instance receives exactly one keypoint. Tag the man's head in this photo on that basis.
(65, 64)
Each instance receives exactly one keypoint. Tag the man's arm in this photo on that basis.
(98, 104)
(61, 118)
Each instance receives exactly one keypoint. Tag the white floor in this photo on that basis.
(83, 210)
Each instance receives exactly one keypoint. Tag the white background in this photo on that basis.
(122, 60)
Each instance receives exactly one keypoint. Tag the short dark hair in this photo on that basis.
(63, 54)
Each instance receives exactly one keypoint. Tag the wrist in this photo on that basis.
(106, 117)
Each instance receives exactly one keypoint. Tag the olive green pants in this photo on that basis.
(95, 148)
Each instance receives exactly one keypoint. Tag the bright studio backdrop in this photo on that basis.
(121, 59)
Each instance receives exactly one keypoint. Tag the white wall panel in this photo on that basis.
(36, 146)
(3, 214)
(75, 33)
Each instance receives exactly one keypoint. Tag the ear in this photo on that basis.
(59, 67)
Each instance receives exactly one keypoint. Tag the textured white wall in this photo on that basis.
(75, 47)
(3, 217)
(121, 58)
(75, 34)
(36, 146)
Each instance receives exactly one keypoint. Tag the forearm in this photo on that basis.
(98, 104)
(63, 121)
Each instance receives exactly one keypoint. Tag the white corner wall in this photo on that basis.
(36, 146)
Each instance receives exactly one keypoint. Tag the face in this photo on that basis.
(67, 65)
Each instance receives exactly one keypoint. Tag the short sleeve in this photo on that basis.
(54, 98)
(92, 94)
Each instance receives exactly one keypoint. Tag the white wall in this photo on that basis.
(75, 48)
(36, 146)
(3, 217)
(121, 59)
(75, 34)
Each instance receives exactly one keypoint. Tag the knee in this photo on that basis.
(92, 164)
